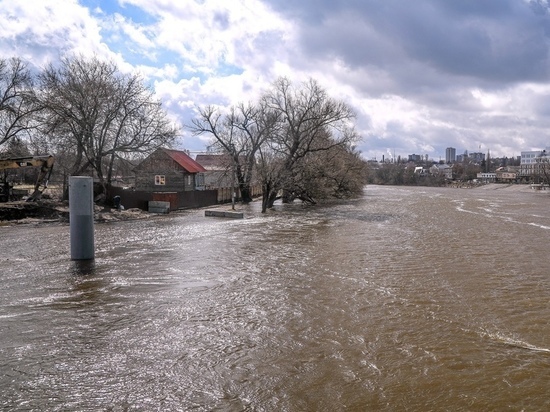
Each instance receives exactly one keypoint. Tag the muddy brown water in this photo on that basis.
(418, 299)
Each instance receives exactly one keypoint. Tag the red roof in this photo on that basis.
(185, 161)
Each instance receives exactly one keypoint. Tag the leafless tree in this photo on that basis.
(94, 115)
(312, 122)
(239, 134)
(281, 139)
(17, 99)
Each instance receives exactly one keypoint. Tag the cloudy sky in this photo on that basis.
(422, 75)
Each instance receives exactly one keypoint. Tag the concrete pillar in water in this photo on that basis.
(81, 216)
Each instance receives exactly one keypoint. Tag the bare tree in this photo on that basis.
(279, 139)
(94, 115)
(240, 134)
(312, 122)
(17, 99)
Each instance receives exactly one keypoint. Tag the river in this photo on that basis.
(417, 299)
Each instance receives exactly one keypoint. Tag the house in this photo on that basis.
(507, 174)
(219, 170)
(167, 170)
(487, 177)
(442, 169)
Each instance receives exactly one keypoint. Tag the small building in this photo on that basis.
(487, 177)
(507, 174)
(167, 170)
(442, 169)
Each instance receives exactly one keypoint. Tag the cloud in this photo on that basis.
(458, 69)
(42, 31)
(421, 75)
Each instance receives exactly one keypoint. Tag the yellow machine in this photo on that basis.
(45, 163)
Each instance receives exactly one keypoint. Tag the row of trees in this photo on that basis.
(83, 110)
(297, 141)
(402, 174)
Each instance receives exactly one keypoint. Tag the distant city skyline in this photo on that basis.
(444, 157)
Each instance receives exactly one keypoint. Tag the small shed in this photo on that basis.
(167, 170)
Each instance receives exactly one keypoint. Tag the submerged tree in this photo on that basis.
(312, 122)
(296, 140)
(94, 115)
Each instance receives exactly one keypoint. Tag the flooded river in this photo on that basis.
(418, 299)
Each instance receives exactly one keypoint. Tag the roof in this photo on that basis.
(214, 161)
(184, 161)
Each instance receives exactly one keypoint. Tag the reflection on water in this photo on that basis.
(407, 299)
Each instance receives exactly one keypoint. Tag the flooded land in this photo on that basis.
(418, 299)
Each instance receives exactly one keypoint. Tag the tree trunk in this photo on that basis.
(288, 196)
(246, 196)
(265, 196)
(271, 198)
(269, 194)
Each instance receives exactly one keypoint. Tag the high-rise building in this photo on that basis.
(450, 155)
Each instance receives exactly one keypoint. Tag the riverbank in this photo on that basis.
(526, 188)
(49, 211)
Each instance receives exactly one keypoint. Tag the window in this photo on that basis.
(200, 179)
(160, 180)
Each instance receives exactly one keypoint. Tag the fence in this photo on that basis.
(224, 193)
(130, 198)
(178, 200)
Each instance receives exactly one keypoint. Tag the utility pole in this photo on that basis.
(233, 172)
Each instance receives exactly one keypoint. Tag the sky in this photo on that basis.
(421, 75)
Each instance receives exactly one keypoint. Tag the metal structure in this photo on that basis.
(43, 162)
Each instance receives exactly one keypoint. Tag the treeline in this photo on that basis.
(406, 174)
(402, 174)
(296, 141)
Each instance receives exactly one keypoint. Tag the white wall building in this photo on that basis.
(530, 162)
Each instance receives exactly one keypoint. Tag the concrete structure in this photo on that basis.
(156, 206)
(474, 157)
(224, 213)
(81, 216)
(450, 155)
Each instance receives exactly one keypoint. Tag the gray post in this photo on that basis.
(81, 216)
